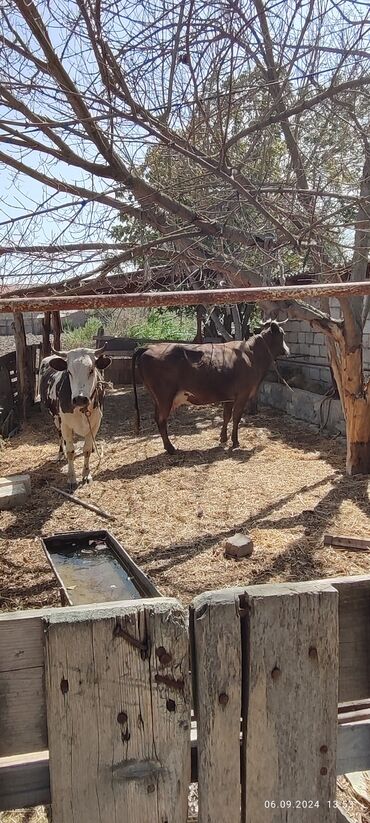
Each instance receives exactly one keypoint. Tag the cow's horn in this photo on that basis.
(100, 351)
(59, 353)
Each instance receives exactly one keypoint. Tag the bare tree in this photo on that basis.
(258, 114)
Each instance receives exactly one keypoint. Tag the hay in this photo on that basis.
(286, 487)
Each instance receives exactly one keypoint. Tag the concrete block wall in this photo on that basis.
(308, 346)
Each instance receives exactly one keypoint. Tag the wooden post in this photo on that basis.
(292, 661)
(118, 701)
(46, 323)
(217, 647)
(24, 382)
(57, 329)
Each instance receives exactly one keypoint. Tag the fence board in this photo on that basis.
(118, 705)
(290, 745)
(25, 731)
(217, 677)
(354, 649)
(22, 692)
(24, 781)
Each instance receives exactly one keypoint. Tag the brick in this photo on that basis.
(238, 546)
(319, 339)
(314, 373)
(301, 337)
(309, 337)
(324, 351)
(314, 351)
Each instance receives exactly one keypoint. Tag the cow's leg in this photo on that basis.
(88, 448)
(68, 440)
(237, 413)
(228, 408)
(161, 420)
(57, 423)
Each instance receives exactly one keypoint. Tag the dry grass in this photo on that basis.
(286, 487)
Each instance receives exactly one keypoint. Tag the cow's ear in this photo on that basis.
(103, 362)
(58, 363)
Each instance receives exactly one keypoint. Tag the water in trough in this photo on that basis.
(92, 573)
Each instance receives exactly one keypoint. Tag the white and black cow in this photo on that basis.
(72, 390)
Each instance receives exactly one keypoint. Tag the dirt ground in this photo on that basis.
(286, 487)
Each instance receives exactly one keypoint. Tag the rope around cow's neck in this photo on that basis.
(99, 452)
(275, 366)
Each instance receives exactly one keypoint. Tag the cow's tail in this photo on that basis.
(137, 353)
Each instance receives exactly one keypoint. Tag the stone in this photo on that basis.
(14, 491)
(238, 546)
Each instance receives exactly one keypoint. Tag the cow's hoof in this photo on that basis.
(87, 479)
(223, 439)
(171, 450)
(234, 446)
(72, 486)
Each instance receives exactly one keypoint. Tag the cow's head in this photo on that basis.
(82, 366)
(273, 335)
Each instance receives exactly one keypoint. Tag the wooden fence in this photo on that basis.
(96, 705)
(9, 399)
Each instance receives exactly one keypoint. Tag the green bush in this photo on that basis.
(83, 337)
(164, 325)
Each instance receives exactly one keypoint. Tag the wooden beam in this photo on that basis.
(118, 708)
(22, 690)
(291, 682)
(24, 781)
(217, 678)
(216, 297)
(347, 543)
(46, 329)
(353, 747)
(25, 393)
(57, 329)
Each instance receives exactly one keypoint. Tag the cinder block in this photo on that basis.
(238, 546)
(13, 479)
(314, 373)
(14, 494)
(314, 351)
(301, 337)
(309, 337)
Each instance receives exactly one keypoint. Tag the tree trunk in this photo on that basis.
(358, 435)
(356, 408)
(25, 393)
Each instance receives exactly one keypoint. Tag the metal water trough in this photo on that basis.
(92, 567)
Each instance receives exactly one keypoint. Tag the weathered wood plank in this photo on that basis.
(21, 648)
(354, 646)
(24, 781)
(347, 543)
(217, 646)
(291, 682)
(118, 700)
(22, 692)
(353, 753)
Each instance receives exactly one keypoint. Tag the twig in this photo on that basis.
(83, 503)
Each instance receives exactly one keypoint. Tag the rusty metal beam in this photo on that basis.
(211, 297)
